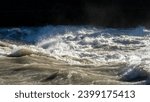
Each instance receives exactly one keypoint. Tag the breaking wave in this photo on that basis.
(84, 45)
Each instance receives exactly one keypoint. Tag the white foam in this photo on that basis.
(98, 45)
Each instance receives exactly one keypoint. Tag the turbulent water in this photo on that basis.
(74, 55)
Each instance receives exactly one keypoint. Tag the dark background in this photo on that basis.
(107, 13)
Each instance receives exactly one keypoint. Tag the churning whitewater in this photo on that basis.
(74, 55)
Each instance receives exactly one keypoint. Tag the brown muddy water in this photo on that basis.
(35, 69)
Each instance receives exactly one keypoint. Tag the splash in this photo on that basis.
(84, 45)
